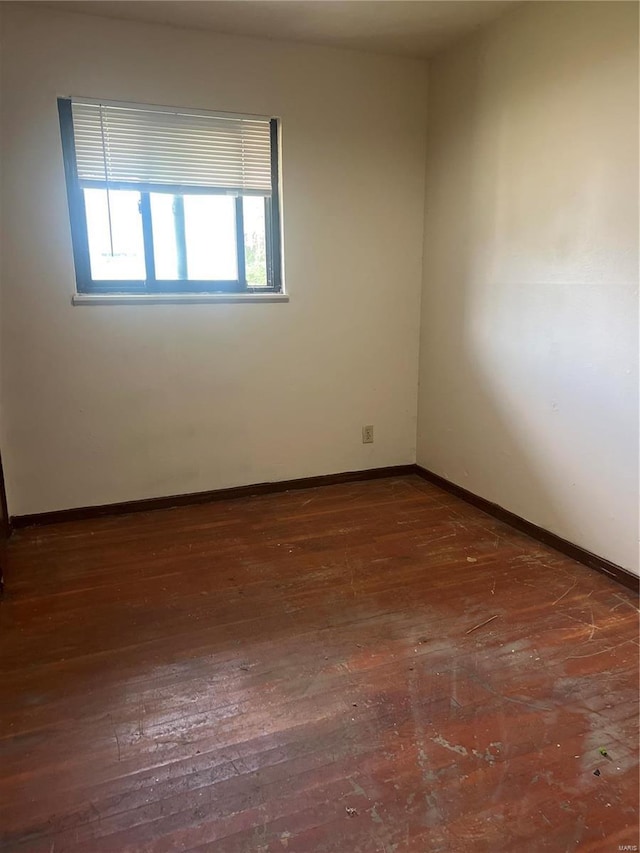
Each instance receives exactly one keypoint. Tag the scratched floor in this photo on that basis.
(303, 672)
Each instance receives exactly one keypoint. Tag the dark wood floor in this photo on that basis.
(299, 672)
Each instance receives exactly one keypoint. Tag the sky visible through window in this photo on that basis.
(116, 244)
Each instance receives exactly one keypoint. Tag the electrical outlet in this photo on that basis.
(367, 434)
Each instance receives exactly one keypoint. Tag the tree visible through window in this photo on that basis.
(171, 201)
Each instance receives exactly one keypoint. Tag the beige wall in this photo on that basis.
(110, 403)
(529, 345)
(528, 388)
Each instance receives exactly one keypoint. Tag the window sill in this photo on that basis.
(172, 298)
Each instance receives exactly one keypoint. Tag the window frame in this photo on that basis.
(151, 285)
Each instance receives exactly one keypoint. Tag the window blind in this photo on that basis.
(172, 150)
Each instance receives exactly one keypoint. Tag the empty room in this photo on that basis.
(319, 493)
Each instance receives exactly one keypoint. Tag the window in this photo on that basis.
(163, 200)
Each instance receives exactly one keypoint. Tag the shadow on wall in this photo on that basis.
(528, 386)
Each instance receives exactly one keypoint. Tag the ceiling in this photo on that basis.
(403, 27)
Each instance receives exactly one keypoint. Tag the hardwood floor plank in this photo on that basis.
(236, 676)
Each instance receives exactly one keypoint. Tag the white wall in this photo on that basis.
(529, 347)
(107, 404)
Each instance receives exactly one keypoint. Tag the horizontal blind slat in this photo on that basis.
(125, 144)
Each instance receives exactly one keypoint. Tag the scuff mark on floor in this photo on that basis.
(461, 750)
